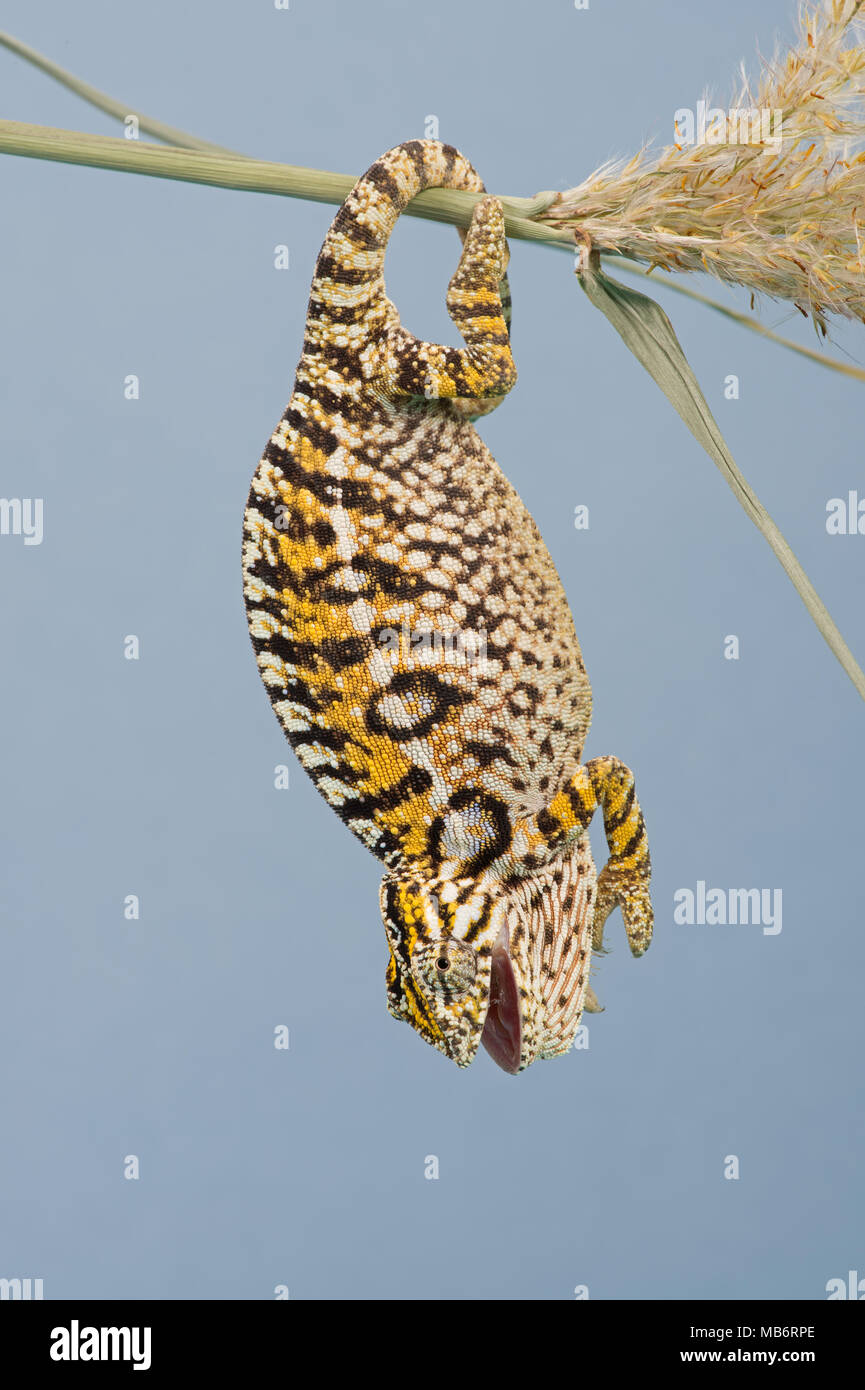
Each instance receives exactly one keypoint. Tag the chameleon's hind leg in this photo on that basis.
(485, 367)
(624, 879)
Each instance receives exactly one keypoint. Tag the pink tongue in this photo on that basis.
(502, 1032)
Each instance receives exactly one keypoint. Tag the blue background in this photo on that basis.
(154, 1037)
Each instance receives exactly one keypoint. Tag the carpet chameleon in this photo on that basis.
(417, 646)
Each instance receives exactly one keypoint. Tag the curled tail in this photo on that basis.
(352, 256)
(348, 307)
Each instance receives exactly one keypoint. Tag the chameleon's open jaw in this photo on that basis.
(502, 1035)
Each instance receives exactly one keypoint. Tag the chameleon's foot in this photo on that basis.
(590, 1002)
(630, 892)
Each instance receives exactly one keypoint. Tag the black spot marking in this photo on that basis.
(493, 813)
(340, 653)
(424, 701)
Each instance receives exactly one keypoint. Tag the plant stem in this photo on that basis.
(255, 176)
(192, 160)
(173, 135)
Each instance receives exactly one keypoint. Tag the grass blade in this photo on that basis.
(649, 334)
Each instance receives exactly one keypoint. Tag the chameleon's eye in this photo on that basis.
(445, 967)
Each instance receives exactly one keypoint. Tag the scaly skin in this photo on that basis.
(419, 651)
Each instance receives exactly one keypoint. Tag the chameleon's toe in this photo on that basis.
(639, 920)
(590, 1002)
(636, 906)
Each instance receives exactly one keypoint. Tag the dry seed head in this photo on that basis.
(783, 217)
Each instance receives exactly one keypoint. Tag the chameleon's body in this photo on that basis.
(418, 648)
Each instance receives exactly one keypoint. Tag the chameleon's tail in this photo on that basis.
(348, 286)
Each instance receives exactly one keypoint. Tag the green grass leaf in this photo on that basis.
(647, 331)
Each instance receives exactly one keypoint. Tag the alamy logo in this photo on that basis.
(22, 516)
(851, 1287)
(21, 1288)
(845, 516)
(728, 906)
(741, 125)
(427, 647)
(75, 1343)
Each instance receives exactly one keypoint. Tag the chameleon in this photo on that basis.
(418, 649)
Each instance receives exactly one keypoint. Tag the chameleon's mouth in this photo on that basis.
(502, 1035)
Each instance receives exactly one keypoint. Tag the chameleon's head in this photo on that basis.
(475, 962)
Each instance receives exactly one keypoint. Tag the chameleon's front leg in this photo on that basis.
(485, 367)
(624, 881)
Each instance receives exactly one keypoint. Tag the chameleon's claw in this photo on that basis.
(639, 920)
(590, 1002)
(636, 906)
